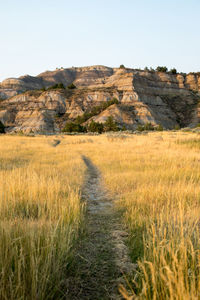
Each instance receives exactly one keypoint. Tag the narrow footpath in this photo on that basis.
(102, 257)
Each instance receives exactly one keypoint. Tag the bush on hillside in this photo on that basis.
(60, 86)
(161, 69)
(71, 86)
(122, 67)
(173, 71)
(123, 128)
(95, 111)
(56, 86)
(159, 128)
(147, 126)
(73, 127)
(95, 127)
(177, 127)
(110, 124)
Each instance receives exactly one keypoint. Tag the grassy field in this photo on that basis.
(40, 216)
(154, 180)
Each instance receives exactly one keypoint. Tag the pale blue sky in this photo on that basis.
(41, 35)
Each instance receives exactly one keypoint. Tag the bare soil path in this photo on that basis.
(102, 257)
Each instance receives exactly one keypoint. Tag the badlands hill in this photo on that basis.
(144, 97)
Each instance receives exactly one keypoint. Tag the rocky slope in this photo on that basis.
(155, 97)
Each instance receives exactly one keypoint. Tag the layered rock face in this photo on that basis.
(155, 97)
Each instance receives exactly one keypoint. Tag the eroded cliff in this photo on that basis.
(155, 97)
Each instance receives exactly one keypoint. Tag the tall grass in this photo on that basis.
(155, 181)
(40, 217)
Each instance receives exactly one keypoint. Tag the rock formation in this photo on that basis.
(144, 96)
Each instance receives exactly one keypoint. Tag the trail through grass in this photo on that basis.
(102, 256)
(152, 207)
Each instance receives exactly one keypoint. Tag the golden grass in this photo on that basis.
(155, 181)
(40, 216)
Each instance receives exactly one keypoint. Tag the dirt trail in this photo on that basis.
(102, 257)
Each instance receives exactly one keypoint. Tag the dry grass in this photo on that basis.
(40, 216)
(155, 179)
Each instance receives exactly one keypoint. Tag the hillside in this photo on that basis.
(144, 96)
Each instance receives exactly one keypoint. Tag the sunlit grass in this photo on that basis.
(154, 180)
(40, 216)
(190, 142)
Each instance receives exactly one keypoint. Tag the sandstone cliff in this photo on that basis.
(155, 97)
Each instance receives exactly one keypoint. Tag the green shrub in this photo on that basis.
(177, 127)
(110, 124)
(159, 128)
(140, 128)
(113, 101)
(60, 86)
(122, 67)
(56, 86)
(95, 127)
(95, 111)
(73, 127)
(82, 119)
(2, 128)
(147, 126)
(161, 69)
(71, 86)
(173, 71)
(123, 128)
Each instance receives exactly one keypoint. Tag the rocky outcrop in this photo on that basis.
(86, 76)
(124, 115)
(155, 97)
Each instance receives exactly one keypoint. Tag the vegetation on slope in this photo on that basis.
(110, 124)
(149, 127)
(96, 110)
(59, 86)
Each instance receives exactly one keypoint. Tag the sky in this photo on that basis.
(40, 35)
